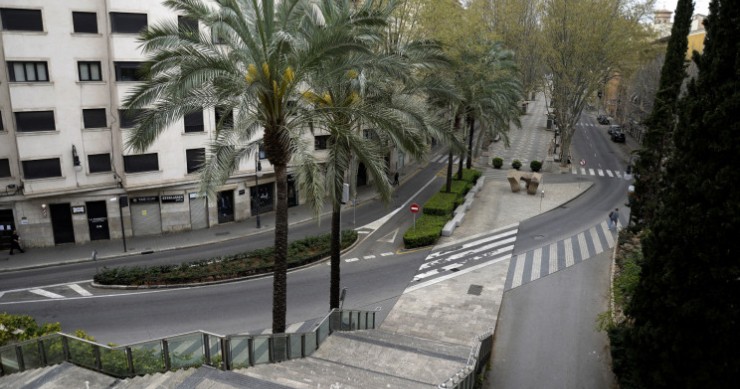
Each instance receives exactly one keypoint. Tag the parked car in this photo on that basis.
(614, 128)
(602, 119)
(618, 137)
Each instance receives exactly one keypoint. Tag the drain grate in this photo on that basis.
(475, 290)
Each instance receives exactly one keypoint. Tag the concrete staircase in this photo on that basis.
(62, 376)
(368, 359)
(168, 380)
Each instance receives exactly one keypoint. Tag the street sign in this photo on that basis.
(583, 162)
(414, 208)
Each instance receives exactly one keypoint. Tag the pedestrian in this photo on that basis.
(395, 179)
(15, 243)
(613, 219)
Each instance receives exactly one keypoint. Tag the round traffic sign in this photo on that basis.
(414, 208)
(583, 162)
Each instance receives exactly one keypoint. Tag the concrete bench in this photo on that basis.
(448, 228)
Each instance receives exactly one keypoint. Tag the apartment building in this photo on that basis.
(65, 174)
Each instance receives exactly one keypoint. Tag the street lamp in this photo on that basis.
(257, 173)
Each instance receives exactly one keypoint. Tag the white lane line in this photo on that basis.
(369, 257)
(293, 327)
(601, 172)
(518, 270)
(385, 254)
(553, 258)
(595, 238)
(609, 173)
(584, 247)
(351, 260)
(568, 252)
(79, 290)
(536, 264)
(425, 275)
(453, 266)
(484, 249)
(45, 293)
(591, 172)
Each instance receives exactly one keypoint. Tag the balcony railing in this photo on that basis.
(480, 352)
(178, 351)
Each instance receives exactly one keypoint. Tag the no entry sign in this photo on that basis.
(414, 208)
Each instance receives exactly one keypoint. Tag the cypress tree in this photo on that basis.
(660, 124)
(686, 308)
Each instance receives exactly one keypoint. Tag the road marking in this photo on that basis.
(456, 274)
(591, 172)
(610, 237)
(453, 266)
(518, 270)
(595, 238)
(389, 238)
(369, 257)
(536, 264)
(583, 171)
(601, 172)
(425, 275)
(351, 260)
(79, 290)
(1, 294)
(618, 173)
(582, 244)
(573, 170)
(386, 254)
(45, 293)
(553, 258)
(568, 252)
(609, 173)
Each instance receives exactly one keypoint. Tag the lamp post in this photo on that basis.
(257, 173)
(122, 202)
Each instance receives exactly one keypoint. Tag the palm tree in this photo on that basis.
(268, 49)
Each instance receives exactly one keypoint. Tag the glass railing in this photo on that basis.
(178, 351)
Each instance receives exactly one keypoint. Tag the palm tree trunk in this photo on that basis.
(469, 162)
(460, 165)
(335, 249)
(280, 271)
(448, 186)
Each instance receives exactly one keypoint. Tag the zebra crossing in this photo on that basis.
(51, 292)
(542, 261)
(479, 251)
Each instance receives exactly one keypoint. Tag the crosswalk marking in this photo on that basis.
(609, 238)
(582, 245)
(597, 242)
(46, 293)
(351, 260)
(601, 173)
(536, 264)
(368, 257)
(518, 271)
(618, 173)
(591, 172)
(583, 171)
(79, 290)
(553, 259)
(385, 254)
(568, 252)
(609, 173)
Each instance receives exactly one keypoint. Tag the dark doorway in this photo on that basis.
(361, 175)
(292, 191)
(225, 201)
(262, 196)
(61, 223)
(97, 220)
(7, 225)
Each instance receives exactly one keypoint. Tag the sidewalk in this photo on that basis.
(137, 245)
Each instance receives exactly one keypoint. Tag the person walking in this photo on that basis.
(15, 243)
(613, 219)
(395, 179)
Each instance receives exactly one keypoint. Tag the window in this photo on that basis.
(128, 23)
(223, 115)
(99, 163)
(128, 71)
(128, 117)
(4, 168)
(194, 159)
(320, 142)
(21, 19)
(89, 71)
(35, 121)
(194, 122)
(94, 118)
(262, 152)
(28, 71)
(140, 163)
(42, 168)
(85, 22)
(187, 25)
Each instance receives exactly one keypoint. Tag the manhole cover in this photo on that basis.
(475, 290)
(539, 237)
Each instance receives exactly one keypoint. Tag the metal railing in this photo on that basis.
(479, 354)
(178, 351)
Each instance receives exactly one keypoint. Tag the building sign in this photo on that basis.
(78, 209)
(173, 198)
(144, 199)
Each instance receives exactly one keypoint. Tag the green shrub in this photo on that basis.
(427, 231)
(441, 204)
(498, 162)
(535, 166)
(223, 267)
(516, 164)
(471, 175)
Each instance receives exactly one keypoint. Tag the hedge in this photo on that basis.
(428, 229)
(441, 204)
(471, 175)
(224, 267)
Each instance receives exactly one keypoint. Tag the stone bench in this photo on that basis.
(531, 181)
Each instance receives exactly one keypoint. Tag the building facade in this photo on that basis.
(65, 174)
